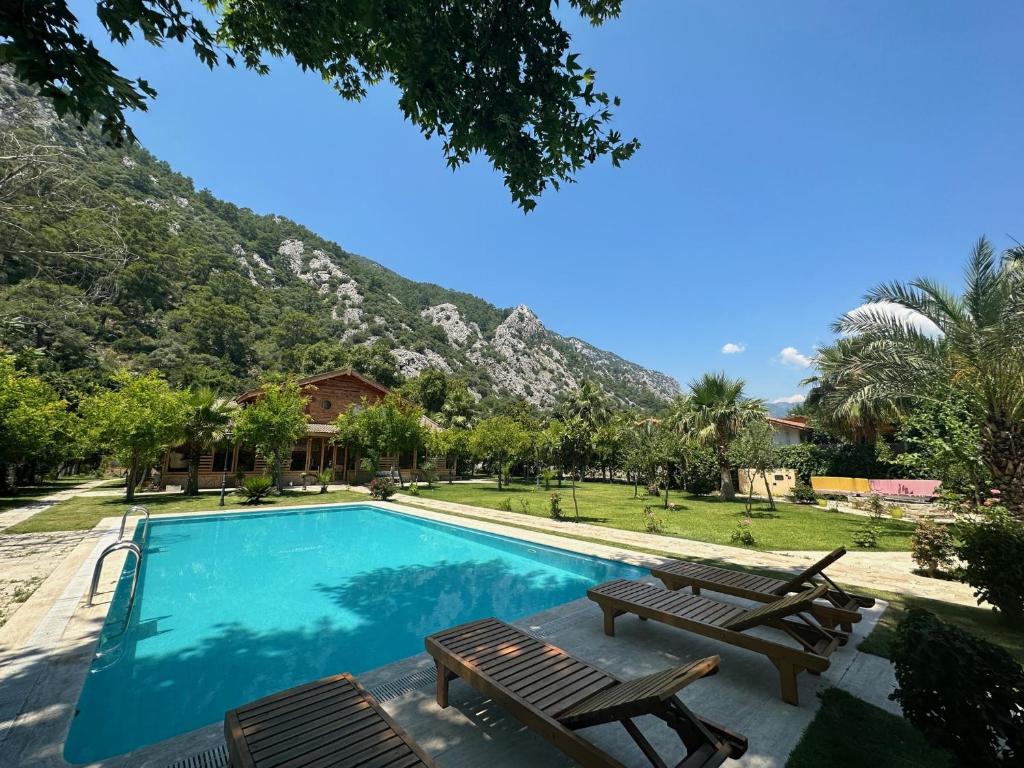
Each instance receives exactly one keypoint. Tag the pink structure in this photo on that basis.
(924, 489)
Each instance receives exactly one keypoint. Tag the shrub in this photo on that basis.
(896, 513)
(555, 506)
(867, 536)
(803, 493)
(547, 475)
(875, 506)
(414, 488)
(524, 506)
(382, 488)
(993, 553)
(701, 475)
(652, 523)
(743, 534)
(429, 472)
(255, 488)
(324, 479)
(505, 505)
(961, 691)
(933, 548)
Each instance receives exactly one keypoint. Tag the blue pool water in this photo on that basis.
(234, 607)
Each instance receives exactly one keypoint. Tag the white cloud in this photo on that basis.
(916, 319)
(734, 348)
(793, 357)
(790, 400)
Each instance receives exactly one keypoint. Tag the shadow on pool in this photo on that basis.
(395, 609)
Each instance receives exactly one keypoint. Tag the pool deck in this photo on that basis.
(47, 647)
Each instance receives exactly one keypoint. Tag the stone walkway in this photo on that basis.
(26, 559)
(889, 571)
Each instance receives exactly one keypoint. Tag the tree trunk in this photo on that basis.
(131, 480)
(575, 506)
(279, 473)
(1002, 450)
(501, 470)
(725, 471)
(768, 488)
(192, 486)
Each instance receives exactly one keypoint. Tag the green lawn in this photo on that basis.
(83, 512)
(850, 733)
(702, 518)
(27, 494)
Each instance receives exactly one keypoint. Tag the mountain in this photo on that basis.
(109, 257)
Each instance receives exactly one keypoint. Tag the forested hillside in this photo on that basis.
(109, 257)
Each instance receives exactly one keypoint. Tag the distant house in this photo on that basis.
(330, 394)
(791, 430)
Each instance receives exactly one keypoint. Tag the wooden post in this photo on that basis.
(442, 685)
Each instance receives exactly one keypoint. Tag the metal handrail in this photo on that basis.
(132, 511)
(118, 545)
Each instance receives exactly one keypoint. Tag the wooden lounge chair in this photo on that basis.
(555, 694)
(728, 622)
(333, 721)
(842, 609)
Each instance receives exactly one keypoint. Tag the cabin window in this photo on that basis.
(298, 463)
(222, 459)
(246, 460)
(177, 459)
(326, 404)
(780, 477)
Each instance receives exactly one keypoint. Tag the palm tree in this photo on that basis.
(588, 403)
(206, 419)
(887, 361)
(713, 413)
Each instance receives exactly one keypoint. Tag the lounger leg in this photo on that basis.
(442, 685)
(696, 590)
(787, 679)
(609, 620)
(643, 743)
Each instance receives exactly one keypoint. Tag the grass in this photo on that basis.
(850, 733)
(701, 518)
(982, 622)
(83, 512)
(19, 497)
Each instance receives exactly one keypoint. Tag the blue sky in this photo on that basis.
(794, 154)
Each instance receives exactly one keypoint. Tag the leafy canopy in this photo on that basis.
(387, 427)
(274, 421)
(34, 422)
(485, 76)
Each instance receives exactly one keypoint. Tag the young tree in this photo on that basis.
(35, 426)
(206, 417)
(576, 450)
(499, 440)
(273, 423)
(453, 444)
(920, 342)
(713, 413)
(753, 451)
(487, 76)
(136, 421)
(385, 428)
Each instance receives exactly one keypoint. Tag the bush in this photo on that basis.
(555, 506)
(414, 488)
(524, 506)
(324, 479)
(867, 536)
(743, 534)
(993, 555)
(382, 488)
(652, 523)
(803, 493)
(505, 505)
(875, 506)
(547, 475)
(932, 546)
(896, 513)
(255, 488)
(701, 475)
(961, 691)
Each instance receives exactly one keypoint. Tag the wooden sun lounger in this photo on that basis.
(555, 694)
(330, 722)
(841, 610)
(728, 622)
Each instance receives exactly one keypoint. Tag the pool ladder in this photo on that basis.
(117, 546)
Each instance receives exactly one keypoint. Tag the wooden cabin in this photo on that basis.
(330, 394)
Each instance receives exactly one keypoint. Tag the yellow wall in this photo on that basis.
(780, 487)
(841, 484)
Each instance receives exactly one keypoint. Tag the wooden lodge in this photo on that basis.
(330, 395)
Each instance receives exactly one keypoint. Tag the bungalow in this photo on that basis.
(791, 430)
(330, 394)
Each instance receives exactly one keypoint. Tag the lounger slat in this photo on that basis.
(786, 606)
(330, 722)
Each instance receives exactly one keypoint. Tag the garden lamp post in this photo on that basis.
(224, 470)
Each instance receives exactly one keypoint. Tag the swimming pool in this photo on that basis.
(233, 607)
